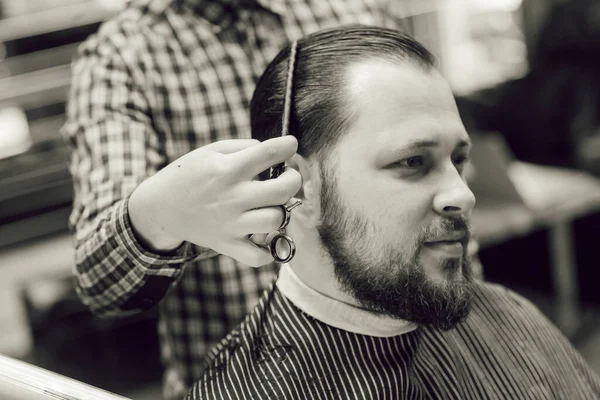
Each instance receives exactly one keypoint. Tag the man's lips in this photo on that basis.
(456, 236)
(452, 244)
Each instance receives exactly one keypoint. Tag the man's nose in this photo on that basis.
(455, 198)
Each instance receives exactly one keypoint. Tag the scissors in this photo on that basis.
(280, 244)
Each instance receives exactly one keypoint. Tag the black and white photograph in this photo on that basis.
(299, 199)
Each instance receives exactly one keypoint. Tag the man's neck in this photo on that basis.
(315, 269)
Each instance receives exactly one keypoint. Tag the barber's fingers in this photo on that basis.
(273, 192)
(253, 160)
(230, 146)
(246, 252)
(261, 220)
(259, 239)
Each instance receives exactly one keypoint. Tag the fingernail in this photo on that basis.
(290, 138)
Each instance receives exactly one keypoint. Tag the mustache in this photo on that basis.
(445, 227)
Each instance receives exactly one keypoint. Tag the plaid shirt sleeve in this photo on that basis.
(114, 148)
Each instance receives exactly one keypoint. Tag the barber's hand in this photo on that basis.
(209, 197)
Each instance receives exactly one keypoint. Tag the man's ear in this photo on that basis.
(309, 212)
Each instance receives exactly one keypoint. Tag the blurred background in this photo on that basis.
(525, 75)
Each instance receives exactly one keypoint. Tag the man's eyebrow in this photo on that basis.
(419, 144)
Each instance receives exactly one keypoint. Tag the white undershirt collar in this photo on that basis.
(336, 313)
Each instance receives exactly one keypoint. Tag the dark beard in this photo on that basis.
(387, 282)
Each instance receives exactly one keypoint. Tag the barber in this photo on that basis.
(163, 165)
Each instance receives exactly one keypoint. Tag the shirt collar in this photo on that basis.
(336, 313)
(219, 12)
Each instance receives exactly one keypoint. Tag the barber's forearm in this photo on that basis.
(113, 269)
(104, 277)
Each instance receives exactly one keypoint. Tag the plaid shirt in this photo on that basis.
(160, 80)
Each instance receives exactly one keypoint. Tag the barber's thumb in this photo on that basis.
(259, 239)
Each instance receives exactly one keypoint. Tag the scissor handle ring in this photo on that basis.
(273, 239)
(287, 217)
(287, 212)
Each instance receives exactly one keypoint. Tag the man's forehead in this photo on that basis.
(372, 82)
(402, 105)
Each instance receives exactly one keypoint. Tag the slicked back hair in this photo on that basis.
(315, 81)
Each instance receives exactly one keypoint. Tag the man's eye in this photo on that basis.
(412, 162)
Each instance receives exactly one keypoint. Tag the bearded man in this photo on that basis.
(380, 301)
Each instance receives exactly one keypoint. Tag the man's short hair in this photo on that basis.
(320, 111)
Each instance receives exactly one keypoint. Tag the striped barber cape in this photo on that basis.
(505, 349)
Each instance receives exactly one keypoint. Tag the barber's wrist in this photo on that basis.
(146, 229)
